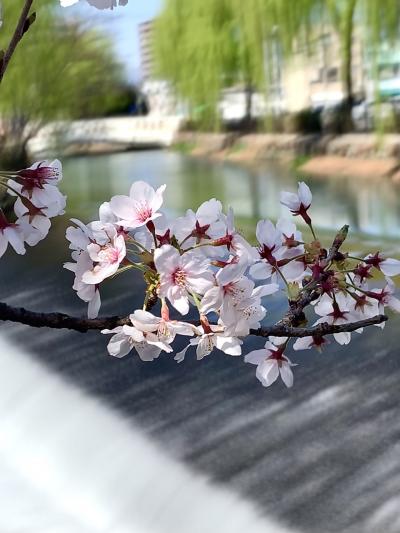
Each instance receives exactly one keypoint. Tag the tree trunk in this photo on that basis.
(248, 106)
(347, 30)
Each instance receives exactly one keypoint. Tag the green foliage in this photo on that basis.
(203, 46)
(58, 71)
(184, 147)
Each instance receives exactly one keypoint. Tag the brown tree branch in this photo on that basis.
(24, 23)
(63, 321)
(295, 315)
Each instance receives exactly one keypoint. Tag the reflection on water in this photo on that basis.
(369, 206)
(322, 457)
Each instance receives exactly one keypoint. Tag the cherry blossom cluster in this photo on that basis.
(201, 263)
(36, 200)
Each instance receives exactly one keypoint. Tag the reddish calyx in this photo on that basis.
(363, 271)
(33, 211)
(37, 177)
(200, 232)
(223, 241)
(318, 342)
(205, 324)
(164, 239)
(277, 354)
(380, 296)
(290, 241)
(302, 211)
(337, 313)
(4, 223)
(361, 301)
(374, 260)
(266, 253)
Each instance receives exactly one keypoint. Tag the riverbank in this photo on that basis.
(351, 155)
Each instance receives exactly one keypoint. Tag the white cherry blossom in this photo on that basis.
(205, 224)
(271, 362)
(10, 234)
(140, 207)
(87, 293)
(385, 297)
(306, 343)
(235, 243)
(388, 266)
(207, 340)
(163, 329)
(127, 338)
(300, 202)
(335, 312)
(275, 254)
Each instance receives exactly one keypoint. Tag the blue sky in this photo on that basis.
(122, 26)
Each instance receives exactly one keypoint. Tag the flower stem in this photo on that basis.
(282, 276)
(5, 186)
(312, 230)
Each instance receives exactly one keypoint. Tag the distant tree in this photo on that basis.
(59, 71)
(205, 45)
(376, 20)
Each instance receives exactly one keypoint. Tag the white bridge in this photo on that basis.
(106, 133)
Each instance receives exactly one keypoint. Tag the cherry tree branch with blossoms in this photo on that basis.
(200, 261)
(83, 325)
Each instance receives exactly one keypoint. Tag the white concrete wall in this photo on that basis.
(135, 131)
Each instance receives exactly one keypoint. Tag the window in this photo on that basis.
(332, 74)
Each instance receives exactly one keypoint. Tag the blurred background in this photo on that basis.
(216, 98)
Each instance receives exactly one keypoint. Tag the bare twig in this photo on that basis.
(24, 23)
(62, 321)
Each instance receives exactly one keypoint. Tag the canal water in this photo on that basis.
(320, 457)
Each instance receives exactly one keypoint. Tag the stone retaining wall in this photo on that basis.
(267, 145)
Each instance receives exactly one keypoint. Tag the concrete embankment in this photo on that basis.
(358, 155)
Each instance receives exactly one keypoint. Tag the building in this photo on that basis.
(160, 98)
(311, 78)
(146, 49)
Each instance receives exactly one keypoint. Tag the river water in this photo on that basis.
(322, 457)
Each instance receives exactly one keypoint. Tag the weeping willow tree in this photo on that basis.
(376, 20)
(202, 46)
(206, 45)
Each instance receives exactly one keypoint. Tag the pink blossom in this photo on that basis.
(181, 276)
(106, 259)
